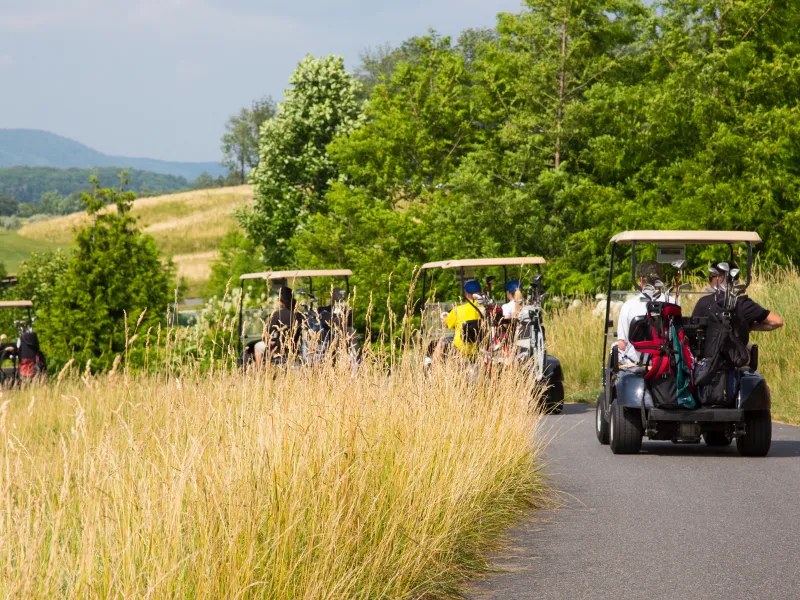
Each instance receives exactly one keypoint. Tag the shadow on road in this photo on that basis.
(577, 409)
(779, 449)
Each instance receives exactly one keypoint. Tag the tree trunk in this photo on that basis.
(561, 93)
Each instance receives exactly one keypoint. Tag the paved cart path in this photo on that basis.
(686, 522)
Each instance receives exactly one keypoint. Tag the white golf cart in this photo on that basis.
(521, 338)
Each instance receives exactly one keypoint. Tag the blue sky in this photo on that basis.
(158, 78)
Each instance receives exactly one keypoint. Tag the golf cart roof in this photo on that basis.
(486, 262)
(270, 275)
(16, 304)
(687, 237)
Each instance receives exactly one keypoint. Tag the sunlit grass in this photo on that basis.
(303, 483)
(182, 223)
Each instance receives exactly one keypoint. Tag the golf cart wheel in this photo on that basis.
(625, 430)
(717, 439)
(601, 424)
(757, 436)
(555, 398)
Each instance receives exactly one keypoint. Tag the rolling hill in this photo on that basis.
(36, 148)
(187, 226)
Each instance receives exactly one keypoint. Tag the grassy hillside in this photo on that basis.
(188, 226)
(14, 248)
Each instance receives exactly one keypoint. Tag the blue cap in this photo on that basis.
(512, 285)
(472, 286)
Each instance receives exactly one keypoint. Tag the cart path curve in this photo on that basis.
(675, 521)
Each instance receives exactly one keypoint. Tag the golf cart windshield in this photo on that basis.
(303, 282)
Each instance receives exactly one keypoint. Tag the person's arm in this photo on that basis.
(771, 323)
(623, 324)
(452, 320)
(759, 318)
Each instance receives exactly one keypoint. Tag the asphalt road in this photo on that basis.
(675, 521)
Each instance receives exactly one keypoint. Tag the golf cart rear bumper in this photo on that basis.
(700, 415)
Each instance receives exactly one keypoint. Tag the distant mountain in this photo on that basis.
(36, 148)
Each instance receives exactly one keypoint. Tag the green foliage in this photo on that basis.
(238, 255)
(241, 137)
(8, 205)
(28, 184)
(115, 284)
(570, 122)
(294, 169)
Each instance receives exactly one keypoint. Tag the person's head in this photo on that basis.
(511, 287)
(471, 287)
(648, 272)
(286, 297)
(338, 295)
(718, 279)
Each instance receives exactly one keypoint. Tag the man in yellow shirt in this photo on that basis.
(463, 313)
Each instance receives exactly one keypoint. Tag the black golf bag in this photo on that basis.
(31, 359)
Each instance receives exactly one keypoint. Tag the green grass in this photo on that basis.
(14, 248)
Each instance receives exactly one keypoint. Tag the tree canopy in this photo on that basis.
(567, 123)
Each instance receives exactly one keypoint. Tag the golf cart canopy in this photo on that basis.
(687, 237)
(270, 275)
(16, 304)
(486, 262)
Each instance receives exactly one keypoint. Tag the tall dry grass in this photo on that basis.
(181, 223)
(307, 483)
(575, 336)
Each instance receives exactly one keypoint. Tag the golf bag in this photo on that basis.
(31, 359)
(723, 352)
(658, 336)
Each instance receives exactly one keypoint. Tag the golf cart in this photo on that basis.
(319, 324)
(665, 396)
(521, 338)
(21, 361)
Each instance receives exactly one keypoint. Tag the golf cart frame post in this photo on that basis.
(709, 238)
(463, 264)
(309, 274)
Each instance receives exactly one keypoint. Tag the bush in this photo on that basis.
(115, 284)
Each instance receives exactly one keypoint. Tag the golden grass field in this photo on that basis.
(278, 484)
(188, 226)
(575, 337)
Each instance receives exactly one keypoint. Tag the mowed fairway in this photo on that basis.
(188, 226)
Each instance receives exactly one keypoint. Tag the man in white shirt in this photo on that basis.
(647, 272)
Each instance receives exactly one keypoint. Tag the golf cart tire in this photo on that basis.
(717, 439)
(555, 398)
(757, 437)
(625, 430)
(600, 421)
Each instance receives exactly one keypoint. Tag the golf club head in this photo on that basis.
(543, 297)
(679, 264)
(740, 288)
(537, 278)
(734, 273)
(709, 289)
(685, 287)
(713, 272)
(725, 267)
(658, 284)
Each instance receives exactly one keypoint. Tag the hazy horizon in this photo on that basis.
(159, 78)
